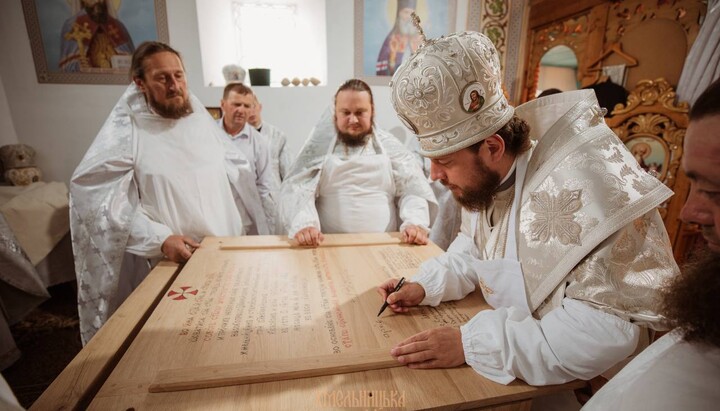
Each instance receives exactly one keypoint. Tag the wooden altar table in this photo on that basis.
(261, 307)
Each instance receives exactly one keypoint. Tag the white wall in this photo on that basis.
(61, 120)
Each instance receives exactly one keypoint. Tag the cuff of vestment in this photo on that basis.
(431, 282)
(483, 351)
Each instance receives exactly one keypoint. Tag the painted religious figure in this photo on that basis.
(473, 97)
(650, 153)
(94, 38)
(402, 40)
(387, 36)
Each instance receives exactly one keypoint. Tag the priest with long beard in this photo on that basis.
(352, 177)
(158, 178)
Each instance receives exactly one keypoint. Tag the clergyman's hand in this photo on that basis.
(409, 295)
(309, 236)
(435, 348)
(414, 234)
(178, 248)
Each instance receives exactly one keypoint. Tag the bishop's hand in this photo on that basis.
(409, 295)
(435, 348)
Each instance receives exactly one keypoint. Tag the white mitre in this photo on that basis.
(449, 93)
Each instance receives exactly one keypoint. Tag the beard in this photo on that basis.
(357, 139)
(480, 196)
(690, 300)
(171, 110)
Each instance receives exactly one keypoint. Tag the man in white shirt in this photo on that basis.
(280, 156)
(681, 370)
(158, 178)
(560, 229)
(351, 177)
(237, 106)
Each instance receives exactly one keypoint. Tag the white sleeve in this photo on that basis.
(146, 236)
(286, 158)
(266, 184)
(449, 276)
(573, 341)
(306, 217)
(414, 210)
(265, 181)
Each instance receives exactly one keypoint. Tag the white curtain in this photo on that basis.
(702, 65)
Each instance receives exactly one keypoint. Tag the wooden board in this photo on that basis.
(253, 306)
(335, 240)
(78, 383)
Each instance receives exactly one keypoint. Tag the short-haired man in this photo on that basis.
(681, 370)
(158, 178)
(352, 177)
(237, 106)
(561, 236)
(280, 156)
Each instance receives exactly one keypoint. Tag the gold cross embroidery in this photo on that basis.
(80, 33)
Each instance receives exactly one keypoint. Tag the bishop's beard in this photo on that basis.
(480, 196)
(691, 301)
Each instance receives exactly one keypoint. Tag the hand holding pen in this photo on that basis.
(399, 295)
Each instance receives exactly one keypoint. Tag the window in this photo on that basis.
(286, 36)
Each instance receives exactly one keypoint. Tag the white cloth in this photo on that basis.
(413, 199)
(354, 187)
(192, 199)
(131, 191)
(579, 335)
(702, 65)
(257, 150)
(571, 342)
(671, 374)
(8, 402)
(280, 155)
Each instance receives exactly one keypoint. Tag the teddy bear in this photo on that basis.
(19, 164)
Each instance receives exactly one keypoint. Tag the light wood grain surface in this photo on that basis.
(272, 313)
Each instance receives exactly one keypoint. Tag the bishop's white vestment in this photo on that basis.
(571, 257)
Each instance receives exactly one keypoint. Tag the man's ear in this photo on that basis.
(140, 83)
(496, 146)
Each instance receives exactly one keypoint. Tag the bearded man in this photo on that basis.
(352, 177)
(560, 229)
(158, 178)
(681, 370)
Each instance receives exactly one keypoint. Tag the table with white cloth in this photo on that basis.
(35, 252)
